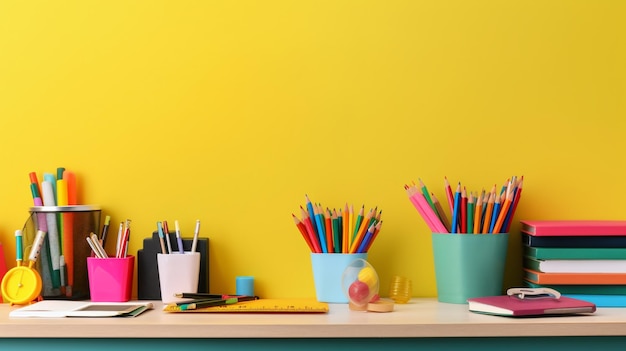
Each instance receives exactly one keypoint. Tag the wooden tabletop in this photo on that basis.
(419, 318)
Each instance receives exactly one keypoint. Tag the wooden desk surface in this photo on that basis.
(419, 318)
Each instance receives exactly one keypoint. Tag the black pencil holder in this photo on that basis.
(62, 262)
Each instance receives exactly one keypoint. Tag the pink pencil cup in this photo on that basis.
(110, 279)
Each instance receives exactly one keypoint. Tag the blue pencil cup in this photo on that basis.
(328, 269)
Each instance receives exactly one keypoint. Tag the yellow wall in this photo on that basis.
(231, 111)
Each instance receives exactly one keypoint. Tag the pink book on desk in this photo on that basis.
(574, 228)
(513, 306)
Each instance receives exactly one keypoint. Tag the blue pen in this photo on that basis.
(179, 240)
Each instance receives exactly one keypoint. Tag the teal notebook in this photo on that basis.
(568, 253)
(583, 289)
(575, 265)
(601, 300)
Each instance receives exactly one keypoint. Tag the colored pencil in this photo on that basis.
(357, 224)
(376, 231)
(478, 211)
(328, 228)
(463, 218)
(495, 212)
(488, 211)
(456, 210)
(302, 229)
(427, 195)
(345, 241)
(335, 228)
(518, 193)
(429, 216)
(366, 238)
(449, 194)
(309, 229)
(470, 213)
(320, 229)
(361, 233)
(442, 214)
(337, 234)
(504, 210)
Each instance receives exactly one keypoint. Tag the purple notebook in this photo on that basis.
(513, 306)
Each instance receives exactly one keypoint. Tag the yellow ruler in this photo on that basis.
(262, 306)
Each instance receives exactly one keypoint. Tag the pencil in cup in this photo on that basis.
(337, 231)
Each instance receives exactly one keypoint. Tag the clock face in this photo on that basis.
(21, 285)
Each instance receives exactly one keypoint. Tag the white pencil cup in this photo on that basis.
(178, 273)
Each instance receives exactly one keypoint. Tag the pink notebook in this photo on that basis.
(513, 306)
(574, 228)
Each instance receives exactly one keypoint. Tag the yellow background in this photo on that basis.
(231, 111)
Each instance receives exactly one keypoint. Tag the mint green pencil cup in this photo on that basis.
(469, 265)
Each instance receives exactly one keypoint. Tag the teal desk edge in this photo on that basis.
(422, 324)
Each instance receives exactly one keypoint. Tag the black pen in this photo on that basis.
(192, 305)
(210, 296)
(218, 298)
(105, 231)
(207, 303)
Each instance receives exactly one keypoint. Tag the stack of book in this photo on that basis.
(580, 259)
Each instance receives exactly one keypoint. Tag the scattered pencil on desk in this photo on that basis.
(337, 231)
(470, 212)
(210, 302)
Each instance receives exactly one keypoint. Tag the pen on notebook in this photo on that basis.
(179, 240)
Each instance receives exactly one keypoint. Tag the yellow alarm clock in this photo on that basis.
(22, 284)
